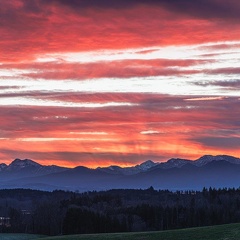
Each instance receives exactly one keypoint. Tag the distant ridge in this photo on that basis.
(144, 166)
(25, 168)
(209, 158)
(174, 174)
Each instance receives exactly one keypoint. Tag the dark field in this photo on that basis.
(221, 232)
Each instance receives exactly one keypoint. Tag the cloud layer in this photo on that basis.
(98, 82)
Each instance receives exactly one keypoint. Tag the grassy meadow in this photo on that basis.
(10, 236)
(220, 232)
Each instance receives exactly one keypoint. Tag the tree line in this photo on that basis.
(121, 210)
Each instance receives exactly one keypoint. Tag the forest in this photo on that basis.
(119, 210)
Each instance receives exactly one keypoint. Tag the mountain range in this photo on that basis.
(174, 174)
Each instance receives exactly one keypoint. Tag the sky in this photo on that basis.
(100, 82)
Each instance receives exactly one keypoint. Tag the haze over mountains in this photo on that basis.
(175, 174)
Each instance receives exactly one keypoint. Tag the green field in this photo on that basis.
(9, 236)
(220, 232)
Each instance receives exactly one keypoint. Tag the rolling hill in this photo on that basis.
(220, 232)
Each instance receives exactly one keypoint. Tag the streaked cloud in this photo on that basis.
(21, 101)
(205, 99)
(149, 132)
(102, 82)
(220, 142)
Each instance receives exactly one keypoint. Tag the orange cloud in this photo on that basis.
(45, 132)
(37, 27)
(148, 118)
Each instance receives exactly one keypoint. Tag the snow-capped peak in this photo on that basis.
(174, 163)
(209, 158)
(129, 170)
(177, 162)
(146, 165)
(18, 163)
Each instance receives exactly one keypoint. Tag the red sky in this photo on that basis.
(101, 82)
